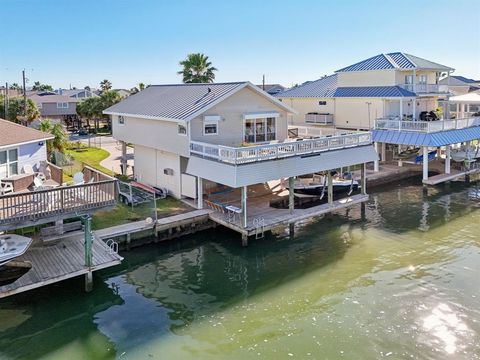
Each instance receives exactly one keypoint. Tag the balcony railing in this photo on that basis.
(426, 126)
(426, 88)
(319, 119)
(42, 204)
(272, 151)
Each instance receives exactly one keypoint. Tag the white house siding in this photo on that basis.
(366, 78)
(231, 110)
(353, 112)
(150, 165)
(31, 154)
(400, 76)
(306, 105)
(263, 171)
(156, 134)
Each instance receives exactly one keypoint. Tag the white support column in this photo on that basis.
(376, 165)
(199, 193)
(244, 205)
(399, 150)
(291, 194)
(447, 159)
(363, 179)
(401, 109)
(330, 188)
(414, 109)
(425, 163)
(384, 152)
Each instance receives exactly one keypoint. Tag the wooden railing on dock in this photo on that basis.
(35, 205)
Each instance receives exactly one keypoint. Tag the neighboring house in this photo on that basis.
(386, 85)
(55, 106)
(189, 138)
(11, 92)
(459, 85)
(272, 89)
(123, 92)
(19, 146)
(466, 105)
(76, 93)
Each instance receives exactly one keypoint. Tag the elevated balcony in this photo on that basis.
(425, 126)
(425, 89)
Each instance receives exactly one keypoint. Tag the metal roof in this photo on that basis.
(464, 79)
(440, 138)
(373, 91)
(324, 87)
(327, 87)
(180, 101)
(395, 60)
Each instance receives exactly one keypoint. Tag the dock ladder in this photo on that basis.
(259, 224)
(112, 246)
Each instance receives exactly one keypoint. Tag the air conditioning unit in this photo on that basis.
(168, 171)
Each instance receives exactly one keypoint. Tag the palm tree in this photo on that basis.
(60, 137)
(139, 87)
(197, 69)
(105, 85)
(15, 86)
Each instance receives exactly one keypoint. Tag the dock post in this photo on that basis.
(244, 205)
(362, 211)
(425, 163)
(88, 253)
(199, 193)
(384, 152)
(291, 229)
(291, 198)
(447, 159)
(330, 188)
(244, 240)
(123, 159)
(129, 239)
(363, 178)
(376, 163)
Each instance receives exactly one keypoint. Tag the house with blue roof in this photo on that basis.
(386, 85)
(460, 85)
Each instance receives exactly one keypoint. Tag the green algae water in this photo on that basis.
(401, 281)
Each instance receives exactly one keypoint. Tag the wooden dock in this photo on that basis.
(455, 174)
(54, 263)
(259, 208)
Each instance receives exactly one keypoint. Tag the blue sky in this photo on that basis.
(83, 42)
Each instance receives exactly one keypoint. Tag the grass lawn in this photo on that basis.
(92, 157)
(122, 213)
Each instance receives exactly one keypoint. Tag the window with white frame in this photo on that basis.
(182, 130)
(422, 79)
(408, 79)
(210, 125)
(8, 163)
(121, 120)
(62, 105)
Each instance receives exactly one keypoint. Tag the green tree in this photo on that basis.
(60, 136)
(197, 69)
(15, 86)
(37, 86)
(105, 85)
(92, 108)
(16, 110)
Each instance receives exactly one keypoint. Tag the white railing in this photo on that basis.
(426, 88)
(311, 131)
(320, 119)
(291, 147)
(426, 126)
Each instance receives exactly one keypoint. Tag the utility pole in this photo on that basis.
(24, 95)
(6, 100)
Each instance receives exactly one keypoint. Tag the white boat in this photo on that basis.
(12, 246)
(465, 154)
(318, 184)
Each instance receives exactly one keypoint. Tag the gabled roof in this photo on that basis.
(395, 60)
(14, 134)
(324, 87)
(327, 88)
(464, 79)
(181, 101)
(45, 99)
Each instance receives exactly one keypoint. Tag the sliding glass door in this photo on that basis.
(260, 130)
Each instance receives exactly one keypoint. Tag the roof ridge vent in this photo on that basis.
(391, 61)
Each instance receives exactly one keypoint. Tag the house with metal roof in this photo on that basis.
(385, 85)
(460, 85)
(218, 144)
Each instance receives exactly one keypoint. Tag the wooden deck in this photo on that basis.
(54, 263)
(259, 208)
(455, 174)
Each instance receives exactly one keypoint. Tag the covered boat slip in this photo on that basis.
(244, 209)
(447, 136)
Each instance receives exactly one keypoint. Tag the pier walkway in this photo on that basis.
(64, 260)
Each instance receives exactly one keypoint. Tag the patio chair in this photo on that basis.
(38, 183)
(28, 169)
(78, 179)
(5, 188)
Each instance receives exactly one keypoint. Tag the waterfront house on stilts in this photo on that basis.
(228, 147)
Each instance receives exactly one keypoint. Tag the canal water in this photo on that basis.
(401, 283)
